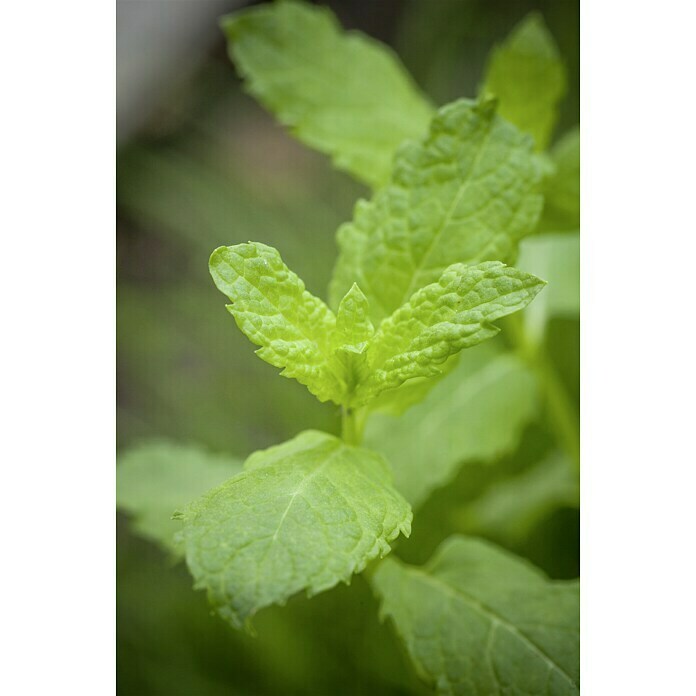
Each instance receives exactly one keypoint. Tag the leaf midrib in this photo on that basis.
(448, 216)
(303, 484)
(495, 617)
(317, 341)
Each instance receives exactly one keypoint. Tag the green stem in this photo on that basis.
(561, 413)
(352, 425)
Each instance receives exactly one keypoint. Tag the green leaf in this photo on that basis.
(304, 515)
(341, 93)
(478, 620)
(509, 509)
(272, 307)
(476, 414)
(441, 319)
(527, 75)
(465, 194)
(397, 401)
(156, 478)
(353, 325)
(562, 188)
(556, 257)
(353, 332)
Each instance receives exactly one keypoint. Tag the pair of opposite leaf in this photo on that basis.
(420, 274)
(342, 357)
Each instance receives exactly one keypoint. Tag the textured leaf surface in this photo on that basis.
(476, 414)
(562, 189)
(443, 318)
(397, 401)
(465, 194)
(155, 479)
(343, 94)
(528, 77)
(556, 257)
(272, 307)
(478, 621)
(304, 515)
(353, 325)
(353, 332)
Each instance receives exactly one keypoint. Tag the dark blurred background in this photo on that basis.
(200, 164)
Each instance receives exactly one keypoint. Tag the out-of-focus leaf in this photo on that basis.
(168, 642)
(156, 478)
(511, 507)
(562, 188)
(344, 94)
(199, 195)
(182, 368)
(556, 259)
(478, 620)
(476, 413)
(304, 515)
(527, 75)
(465, 194)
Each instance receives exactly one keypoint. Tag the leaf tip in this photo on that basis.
(215, 256)
(487, 103)
(227, 24)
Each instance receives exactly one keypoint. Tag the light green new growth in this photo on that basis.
(466, 194)
(304, 515)
(478, 620)
(155, 479)
(476, 414)
(527, 75)
(353, 325)
(344, 359)
(441, 319)
(344, 94)
(271, 306)
(562, 189)
(353, 332)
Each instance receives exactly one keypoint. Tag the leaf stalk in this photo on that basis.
(561, 414)
(352, 425)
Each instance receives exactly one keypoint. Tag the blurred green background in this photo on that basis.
(200, 164)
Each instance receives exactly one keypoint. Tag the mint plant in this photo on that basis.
(466, 202)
